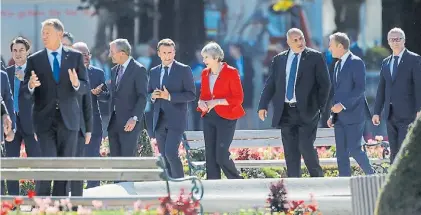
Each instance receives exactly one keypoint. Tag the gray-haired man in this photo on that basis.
(128, 92)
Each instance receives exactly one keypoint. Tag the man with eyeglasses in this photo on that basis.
(399, 90)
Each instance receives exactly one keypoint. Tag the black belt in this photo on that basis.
(291, 104)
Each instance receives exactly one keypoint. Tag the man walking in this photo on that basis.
(399, 90)
(128, 88)
(23, 109)
(298, 86)
(55, 78)
(350, 108)
(172, 88)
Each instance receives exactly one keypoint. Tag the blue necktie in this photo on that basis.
(395, 67)
(164, 79)
(292, 75)
(56, 67)
(16, 91)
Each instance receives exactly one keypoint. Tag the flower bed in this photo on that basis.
(183, 205)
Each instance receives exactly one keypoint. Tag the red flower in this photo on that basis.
(295, 204)
(31, 194)
(17, 200)
(312, 207)
(4, 211)
(6, 205)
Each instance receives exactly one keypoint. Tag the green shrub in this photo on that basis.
(402, 192)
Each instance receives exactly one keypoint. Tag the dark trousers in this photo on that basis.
(76, 187)
(58, 141)
(123, 143)
(396, 132)
(32, 149)
(348, 139)
(218, 134)
(169, 140)
(298, 140)
(92, 150)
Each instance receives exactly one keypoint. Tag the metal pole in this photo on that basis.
(156, 17)
(136, 24)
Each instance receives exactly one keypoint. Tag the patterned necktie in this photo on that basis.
(395, 67)
(16, 90)
(56, 67)
(291, 79)
(119, 75)
(338, 69)
(165, 78)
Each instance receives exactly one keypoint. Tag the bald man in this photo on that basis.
(298, 86)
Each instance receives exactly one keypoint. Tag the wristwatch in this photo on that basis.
(135, 118)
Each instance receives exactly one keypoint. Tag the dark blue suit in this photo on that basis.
(170, 117)
(127, 99)
(349, 90)
(7, 98)
(6, 94)
(24, 130)
(399, 96)
(96, 78)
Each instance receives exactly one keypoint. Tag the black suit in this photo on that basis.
(24, 131)
(128, 99)
(56, 112)
(86, 119)
(399, 96)
(298, 121)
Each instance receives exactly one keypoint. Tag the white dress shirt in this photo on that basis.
(392, 61)
(288, 70)
(51, 61)
(125, 64)
(343, 59)
(163, 72)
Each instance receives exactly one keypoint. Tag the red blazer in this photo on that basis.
(227, 86)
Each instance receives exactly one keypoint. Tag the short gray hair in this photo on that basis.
(56, 23)
(123, 45)
(396, 30)
(294, 31)
(341, 38)
(214, 50)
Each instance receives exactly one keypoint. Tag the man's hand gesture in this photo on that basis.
(73, 77)
(97, 90)
(33, 80)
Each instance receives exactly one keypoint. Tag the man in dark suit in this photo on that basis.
(90, 142)
(7, 97)
(172, 88)
(128, 92)
(6, 127)
(399, 90)
(22, 107)
(298, 86)
(349, 110)
(55, 78)
(10, 125)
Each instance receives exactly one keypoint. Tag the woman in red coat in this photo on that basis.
(221, 96)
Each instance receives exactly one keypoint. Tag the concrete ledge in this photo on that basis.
(332, 194)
